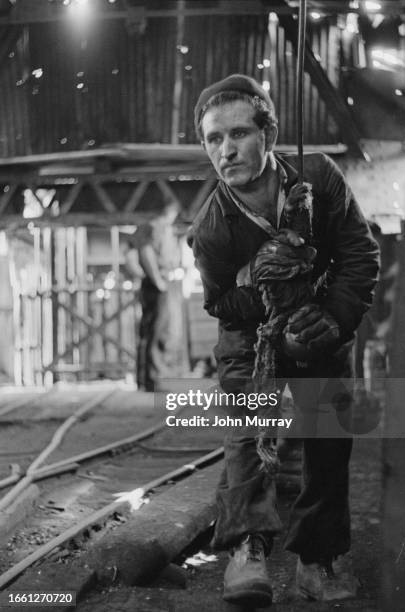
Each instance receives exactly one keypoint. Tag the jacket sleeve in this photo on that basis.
(222, 298)
(354, 264)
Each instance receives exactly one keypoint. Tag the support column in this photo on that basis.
(394, 456)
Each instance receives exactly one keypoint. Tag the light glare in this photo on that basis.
(79, 9)
(372, 6)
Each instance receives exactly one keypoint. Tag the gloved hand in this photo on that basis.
(281, 258)
(312, 327)
(266, 253)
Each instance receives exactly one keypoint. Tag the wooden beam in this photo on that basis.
(13, 222)
(93, 330)
(167, 191)
(6, 197)
(202, 194)
(331, 96)
(71, 198)
(136, 196)
(46, 12)
(66, 156)
(103, 197)
(127, 154)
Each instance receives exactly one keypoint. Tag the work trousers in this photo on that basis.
(153, 336)
(319, 525)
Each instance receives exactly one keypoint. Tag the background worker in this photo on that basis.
(154, 249)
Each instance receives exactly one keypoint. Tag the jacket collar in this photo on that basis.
(288, 176)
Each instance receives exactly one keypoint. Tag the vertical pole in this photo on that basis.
(21, 313)
(82, 307)
(61, 283)
(115, 249)
(55, 308)
(35, 313)
(16, 286)
(47, 306)
(73, 280)
(103, 304)
(117, 304)
(178, 74)
(300, 87)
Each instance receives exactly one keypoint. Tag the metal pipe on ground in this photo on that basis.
(102, 515)
(56, 440)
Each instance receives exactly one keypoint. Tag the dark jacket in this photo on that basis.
(346, 265)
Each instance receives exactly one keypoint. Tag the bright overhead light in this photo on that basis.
(37, 73)
(371, 5)
(315, 15)
(79, 9)
(266, 85)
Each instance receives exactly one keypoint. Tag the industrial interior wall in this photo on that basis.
(379, 185)
(66, 89)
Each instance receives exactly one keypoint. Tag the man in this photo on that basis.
(154, 248)
(236, 124)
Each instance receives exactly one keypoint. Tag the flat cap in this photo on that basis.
(234, 82)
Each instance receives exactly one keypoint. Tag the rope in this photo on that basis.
(282, 297)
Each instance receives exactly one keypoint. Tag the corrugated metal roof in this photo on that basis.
(65, 90)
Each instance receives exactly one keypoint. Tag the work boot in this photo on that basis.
(319, 581)
(246, 581)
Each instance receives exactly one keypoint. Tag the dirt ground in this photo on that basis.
(203, 589)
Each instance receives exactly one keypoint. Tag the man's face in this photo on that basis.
(234, 143)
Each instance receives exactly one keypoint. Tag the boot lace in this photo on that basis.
(255, 548)
(327, 568)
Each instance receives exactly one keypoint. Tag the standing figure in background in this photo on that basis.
(154, 249)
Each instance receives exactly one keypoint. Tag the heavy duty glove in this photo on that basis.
(280, 258)
(312, 327)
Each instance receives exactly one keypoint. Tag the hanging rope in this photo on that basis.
(290, 287)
